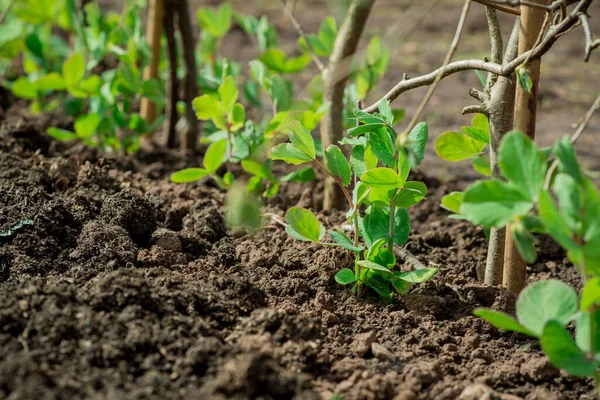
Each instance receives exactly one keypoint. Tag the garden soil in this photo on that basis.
(117, 284)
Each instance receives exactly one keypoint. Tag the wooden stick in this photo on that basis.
(156, 11)
(173, 85)
(532, 21)
(190, 139)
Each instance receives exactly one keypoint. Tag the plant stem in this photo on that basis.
(336, 179)
(392, 223)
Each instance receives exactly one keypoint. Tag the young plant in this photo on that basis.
(379, 167)
(525, 202)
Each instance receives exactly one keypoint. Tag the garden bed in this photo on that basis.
(116, 283)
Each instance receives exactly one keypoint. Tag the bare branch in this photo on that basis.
(506, 69)
(500, 7)
(474, 109)
(496, 43)
(424, 80)
(476, 94)
(590, 44)
(300, 31)
(580, 128)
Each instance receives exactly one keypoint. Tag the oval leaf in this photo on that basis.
(188, 175)
(544, 301)
(382, 178)
(455, 146)
(305, 224)
(345, 277)
(338, 164)
(215, 154)
(418, 275)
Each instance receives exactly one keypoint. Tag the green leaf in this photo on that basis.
(556, 225)
(386, 111)
(418, 275)
(61, 134)
(481, 165)
(289, 153)
(257, 168)
(373, 266)
(383, 146)
(188, 175)
(401, 226)
(345, 277)
(401, 286)
(544, 301)
(501, 320)
(569, 197)
(524, 79)
(229, 95)
(524, 241)
(567, 160)
(344, 241)
(452, 202)
(337, 164)
(280, 92)
(24, 89)
(216, 23)
(52, 81)
(236, 117)
(590, 295)
(456, 146)
(375, 225)
(276, 60)
(206, 107)
(35, 46)
(411, 194)
(305, 224)
(564, 353)
(73, 69)
(398, 115)
(522, 164)
(215, 154)
(86, 125)
(301, 175)
(418, 139)
(494, 203)
(479, 129)
(243, 208)
(361, 129)
(583, 337)
(382, 178)
(302, 139)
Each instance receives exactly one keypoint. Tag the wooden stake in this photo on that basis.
(532, 21)
(153, 32)
(190, 139)
(173, 85)
(334, 82)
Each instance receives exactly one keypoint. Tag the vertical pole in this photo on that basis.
(190, 139)
(532, 20)
(153, 32)
(173, 85)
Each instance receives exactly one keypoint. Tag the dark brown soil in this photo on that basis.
(115, 283)
(118, 284)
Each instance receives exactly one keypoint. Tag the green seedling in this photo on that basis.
(565, 204)
(379, 167)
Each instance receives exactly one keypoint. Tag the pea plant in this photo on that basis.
(102, 104)
(379, 167)
(223, 109)
(562, 201)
